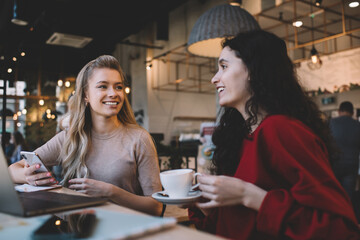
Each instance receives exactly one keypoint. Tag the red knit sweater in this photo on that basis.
(304, 199)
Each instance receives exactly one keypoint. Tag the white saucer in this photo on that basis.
(192, 197)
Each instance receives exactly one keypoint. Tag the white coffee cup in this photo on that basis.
(177, 183)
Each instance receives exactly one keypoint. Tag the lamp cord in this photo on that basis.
(312, 22)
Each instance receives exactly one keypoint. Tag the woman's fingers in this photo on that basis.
(209, 195)
(29, 170)
(47, 181)
(78, 180)
(77, 184)
(206, 179)
(35, 180)
(210, 204)
(38, 179)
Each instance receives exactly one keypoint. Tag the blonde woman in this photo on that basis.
(103, 152)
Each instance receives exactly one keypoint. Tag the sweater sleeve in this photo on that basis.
(148, 165)
(311, 204)
(50, 151)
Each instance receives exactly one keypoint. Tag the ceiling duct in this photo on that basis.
(68, 40)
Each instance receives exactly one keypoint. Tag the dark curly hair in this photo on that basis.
(274, 87)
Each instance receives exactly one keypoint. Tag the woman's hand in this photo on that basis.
(228, 191)
(91, 187)
(37, 179)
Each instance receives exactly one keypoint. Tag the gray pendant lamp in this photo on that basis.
(216, 24)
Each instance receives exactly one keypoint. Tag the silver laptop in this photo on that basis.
(37, 203)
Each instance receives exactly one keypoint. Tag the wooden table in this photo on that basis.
(173, 233)
(174, 211)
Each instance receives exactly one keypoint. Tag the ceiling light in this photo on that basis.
(318, 2)
(60, 83)
(19, 22)
(354, 4)
(297, 23)
(67, 84)
(14, 59)
(236, 3)
(127, 90)
(18, 14)
(216, 24)
(9, 70)
(41, 102)
(22, 54)
(68, 40)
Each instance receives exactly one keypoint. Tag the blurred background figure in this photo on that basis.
(9, 147)
(20, 145)
(346, 132)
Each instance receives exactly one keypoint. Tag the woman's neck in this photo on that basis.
(104, 125)
(260, 117)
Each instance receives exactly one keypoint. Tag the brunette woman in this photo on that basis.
(272, 159)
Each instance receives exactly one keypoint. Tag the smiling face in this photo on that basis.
(105, 93)
(232, 81)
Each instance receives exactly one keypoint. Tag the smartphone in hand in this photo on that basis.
(32, 158)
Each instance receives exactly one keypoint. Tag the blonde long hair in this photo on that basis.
(78, 140)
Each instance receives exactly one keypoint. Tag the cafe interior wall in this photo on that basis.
(334, 82)
(337, 70)
(166, 107)
(337, 79)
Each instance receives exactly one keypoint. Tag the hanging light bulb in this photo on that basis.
(314, 55)
(315, 62)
